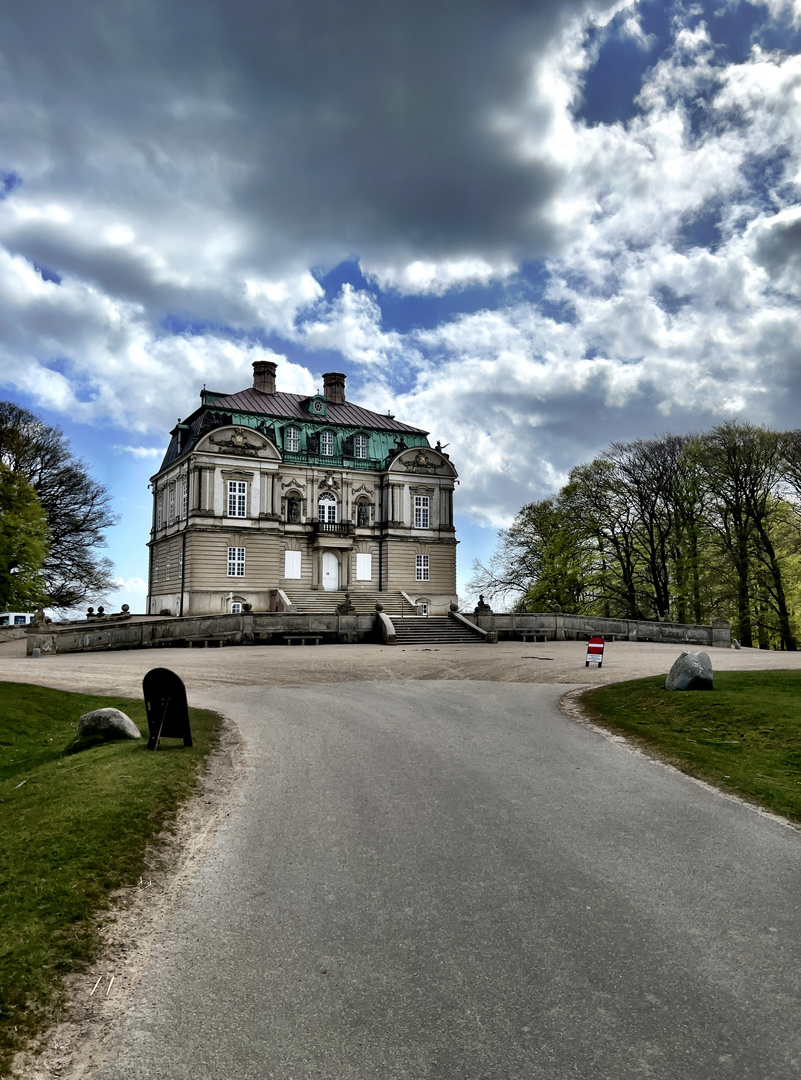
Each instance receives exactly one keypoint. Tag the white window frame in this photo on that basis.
(159, 511)
(364, 566)
(236, 607)
(422, 512)
(236, 562)
(167, 568)
(185, 500)
(171, 498)
(155, 570)
(292, 440)
(293, 565)
(422, 568)
(237, 498)
(180, 564)
(327, 444)
(360, 446)
(327, 508)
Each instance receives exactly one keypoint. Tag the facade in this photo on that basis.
(265, 498)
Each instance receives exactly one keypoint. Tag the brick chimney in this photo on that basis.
(264, 376)
(334, 387)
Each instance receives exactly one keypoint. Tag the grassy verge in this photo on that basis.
(743, 736)
(73, 828)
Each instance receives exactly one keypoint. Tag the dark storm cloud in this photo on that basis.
(360, 126)
(778, 248)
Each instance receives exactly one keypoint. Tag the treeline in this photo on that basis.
(684, 528)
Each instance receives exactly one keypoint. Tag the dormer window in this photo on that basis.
(292, 440)
(326, 443)
(317, 406)
(360, 446)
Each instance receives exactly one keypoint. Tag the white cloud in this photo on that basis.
(132, 585)
(351, 325)
(192, 207)
(139, 451)
(437, 278)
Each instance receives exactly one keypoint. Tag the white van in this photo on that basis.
(16, 618)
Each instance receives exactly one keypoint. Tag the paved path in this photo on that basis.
(447, 878)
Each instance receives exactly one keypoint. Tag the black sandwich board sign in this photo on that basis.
(165, 702)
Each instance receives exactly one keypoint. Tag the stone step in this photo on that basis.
(314, 601)
(435, 630)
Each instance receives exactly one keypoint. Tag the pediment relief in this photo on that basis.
(239, 442)
(422, 460)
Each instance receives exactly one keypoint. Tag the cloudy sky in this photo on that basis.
(529, 227)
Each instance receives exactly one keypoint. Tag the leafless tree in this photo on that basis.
(76, 505)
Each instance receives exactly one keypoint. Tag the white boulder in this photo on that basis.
(110, 723)
(691, 671)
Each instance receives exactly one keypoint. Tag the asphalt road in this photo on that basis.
(451, 879)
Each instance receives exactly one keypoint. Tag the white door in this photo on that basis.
(330, 572)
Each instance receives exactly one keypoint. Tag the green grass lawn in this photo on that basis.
(743, 736)
(73, 828)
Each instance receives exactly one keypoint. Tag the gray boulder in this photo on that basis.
(692, 671)
(110, 723)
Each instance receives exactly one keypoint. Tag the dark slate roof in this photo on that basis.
(279, 406)
(290, 406)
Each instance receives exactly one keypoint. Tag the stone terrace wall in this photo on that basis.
(552, 627)
(271, 628)
(267, 628)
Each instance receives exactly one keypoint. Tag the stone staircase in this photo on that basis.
(319, 602)
(434, 630)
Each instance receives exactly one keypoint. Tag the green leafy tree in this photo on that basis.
(76, 506)
(743, 468)
(23, 544)
(598, 506)
(542, 563)
(682, 527)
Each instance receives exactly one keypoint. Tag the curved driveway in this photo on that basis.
(445, 877)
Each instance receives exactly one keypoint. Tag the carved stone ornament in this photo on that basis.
(237, 474)
(420, 463)
(328, 481)
(363, 489)
(236, 444)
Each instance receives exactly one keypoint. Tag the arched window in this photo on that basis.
(292, 440)
(327, 508)
(326, 443)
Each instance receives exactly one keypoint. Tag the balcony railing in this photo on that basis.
(333, 528)
(346, 461)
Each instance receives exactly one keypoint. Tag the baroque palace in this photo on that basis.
(273, 501)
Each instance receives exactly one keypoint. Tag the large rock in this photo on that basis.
(110, 723)
(692, 671)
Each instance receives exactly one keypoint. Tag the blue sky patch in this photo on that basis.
(9, 182)
(703, 230)
(46, 274)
